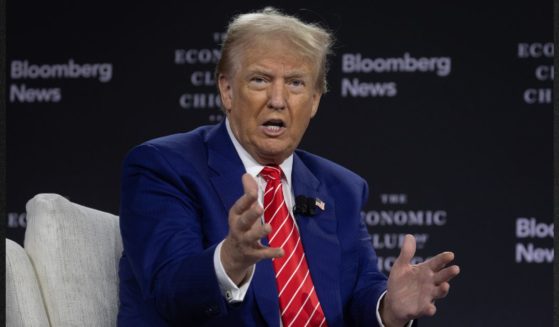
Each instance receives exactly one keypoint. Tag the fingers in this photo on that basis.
(430, 310)
(252, 238)
(242, 247)
(446, 274)
(245, 228)
(441, 291)
(413, 288)
(246, 220)
(249, 197)
(257, 232)
(270, 253)
(246, 210)
(249, 185)
(408, 250)
(440, 261)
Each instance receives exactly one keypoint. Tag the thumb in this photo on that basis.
(407, 251)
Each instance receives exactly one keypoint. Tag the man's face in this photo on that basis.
(270, 99)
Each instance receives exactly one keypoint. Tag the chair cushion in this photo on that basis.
(75, 251)
(24, 303)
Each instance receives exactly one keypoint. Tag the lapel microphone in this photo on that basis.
(304, 205)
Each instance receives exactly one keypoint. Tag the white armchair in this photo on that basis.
(73, 252)
(24, 303)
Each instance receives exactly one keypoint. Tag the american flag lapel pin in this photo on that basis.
(319, 203)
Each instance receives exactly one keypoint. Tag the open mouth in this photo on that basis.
(273, 126)
(274, 123)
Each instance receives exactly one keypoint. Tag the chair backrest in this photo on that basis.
(24, 303)
(75, 251)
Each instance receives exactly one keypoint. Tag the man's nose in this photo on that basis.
(277, 97)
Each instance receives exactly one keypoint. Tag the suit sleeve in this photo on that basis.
(162, 238)
(371, 283)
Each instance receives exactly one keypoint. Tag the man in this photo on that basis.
(210, 237)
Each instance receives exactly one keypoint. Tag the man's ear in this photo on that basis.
(226, 92)
(315, 102)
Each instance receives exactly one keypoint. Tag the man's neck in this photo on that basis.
(252, 166)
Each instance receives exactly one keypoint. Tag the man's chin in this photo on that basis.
(272, 154)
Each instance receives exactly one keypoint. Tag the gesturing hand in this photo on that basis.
(242, 248)
(413, 289)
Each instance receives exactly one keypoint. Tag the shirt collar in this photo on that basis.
(252, 166)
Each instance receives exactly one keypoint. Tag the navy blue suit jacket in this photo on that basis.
(176, 194)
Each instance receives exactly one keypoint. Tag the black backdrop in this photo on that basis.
(444, 108)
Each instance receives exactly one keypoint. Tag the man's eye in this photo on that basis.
(297, 82)
(257, 80)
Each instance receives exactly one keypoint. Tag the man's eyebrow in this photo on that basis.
(258, 69)
(297, 72)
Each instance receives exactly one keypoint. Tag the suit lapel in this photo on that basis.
(228, 169)
(318, 234)
(227, 166)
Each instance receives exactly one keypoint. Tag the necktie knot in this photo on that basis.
(271, 173)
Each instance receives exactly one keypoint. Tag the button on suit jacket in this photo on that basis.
(176, 194)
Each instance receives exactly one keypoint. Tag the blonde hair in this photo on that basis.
(313, 41)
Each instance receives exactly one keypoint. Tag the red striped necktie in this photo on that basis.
(299, 303)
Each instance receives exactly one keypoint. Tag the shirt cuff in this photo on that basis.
(380, 323)
(231, 292)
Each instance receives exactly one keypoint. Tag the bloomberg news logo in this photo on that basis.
(531, 235)
(24, 70)
(357, 63)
